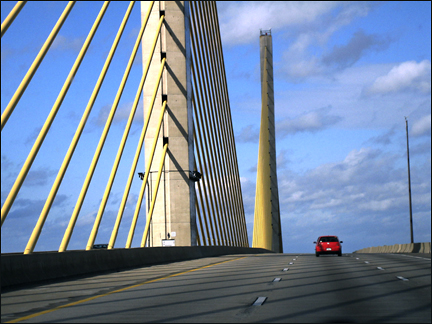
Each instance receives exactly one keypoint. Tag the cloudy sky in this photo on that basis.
(346, 75)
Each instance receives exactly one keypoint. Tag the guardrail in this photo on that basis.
(20, 269)
(399, 248)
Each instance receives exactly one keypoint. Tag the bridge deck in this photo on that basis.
(359, 288)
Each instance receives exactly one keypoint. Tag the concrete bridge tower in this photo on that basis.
(267, 232)
(174, 213)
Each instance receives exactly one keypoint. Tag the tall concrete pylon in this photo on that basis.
(267, 232)
(174, 215)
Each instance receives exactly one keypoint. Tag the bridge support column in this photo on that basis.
(174, 215)
(267, 232)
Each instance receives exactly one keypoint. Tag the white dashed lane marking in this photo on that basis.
(259, 301)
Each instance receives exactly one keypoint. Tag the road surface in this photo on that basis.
(266, 288)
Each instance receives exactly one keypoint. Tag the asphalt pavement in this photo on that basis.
(270, 288)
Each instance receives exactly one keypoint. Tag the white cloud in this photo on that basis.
(422, 126)
(310, 56)
(64, 43)
(122, 114)
(241, 21)
(406, 76)
(38, 177)
(297, 63)
(366, 188)
(377, 205)
(86, 219)
(366, 178)
(311, 121)
(248, 191)
(249, 133)
(305, 27)
(283, 159)
(6, 53)
(346, 55)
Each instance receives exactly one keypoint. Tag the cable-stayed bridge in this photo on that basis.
(149, 79)
(187, 186)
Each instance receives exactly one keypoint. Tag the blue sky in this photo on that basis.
(346, 75)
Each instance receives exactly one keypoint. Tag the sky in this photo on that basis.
(346, 74)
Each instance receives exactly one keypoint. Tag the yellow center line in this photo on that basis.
(116, 291)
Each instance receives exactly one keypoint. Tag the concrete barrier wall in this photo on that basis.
(19, 269)
(425, 247)
(399, 248)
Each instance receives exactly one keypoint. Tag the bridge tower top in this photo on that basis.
(265, 32)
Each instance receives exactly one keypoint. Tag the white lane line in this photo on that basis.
(417, 257)
(285, 269)
(380, 268)
(402, 278)
(277, 279)
(259, 301)
(413, 257)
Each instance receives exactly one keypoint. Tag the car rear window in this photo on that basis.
(328, 239)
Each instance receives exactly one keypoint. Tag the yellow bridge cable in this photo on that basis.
(235, 186)
(227, 114)
(217, 144)
(228, 168)
(48, 122)
(205, 207)
(132, 173)
(130, 178)
(124, 138)
(211, 72)
(208, 177)
(205, 238)
(205, 106)
(216, 122)
(49, 201)
(199, 221)
(215, 193)
(197, 233)
(235, 196)
(208, 209)
(32, 70)
(147, 172)
(11, 17)
(153, 201)
(71, 225)
(201, 135)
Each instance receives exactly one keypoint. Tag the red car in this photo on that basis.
(329, 244)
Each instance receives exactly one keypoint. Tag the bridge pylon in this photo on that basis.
(267, 232)
(173, 217)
